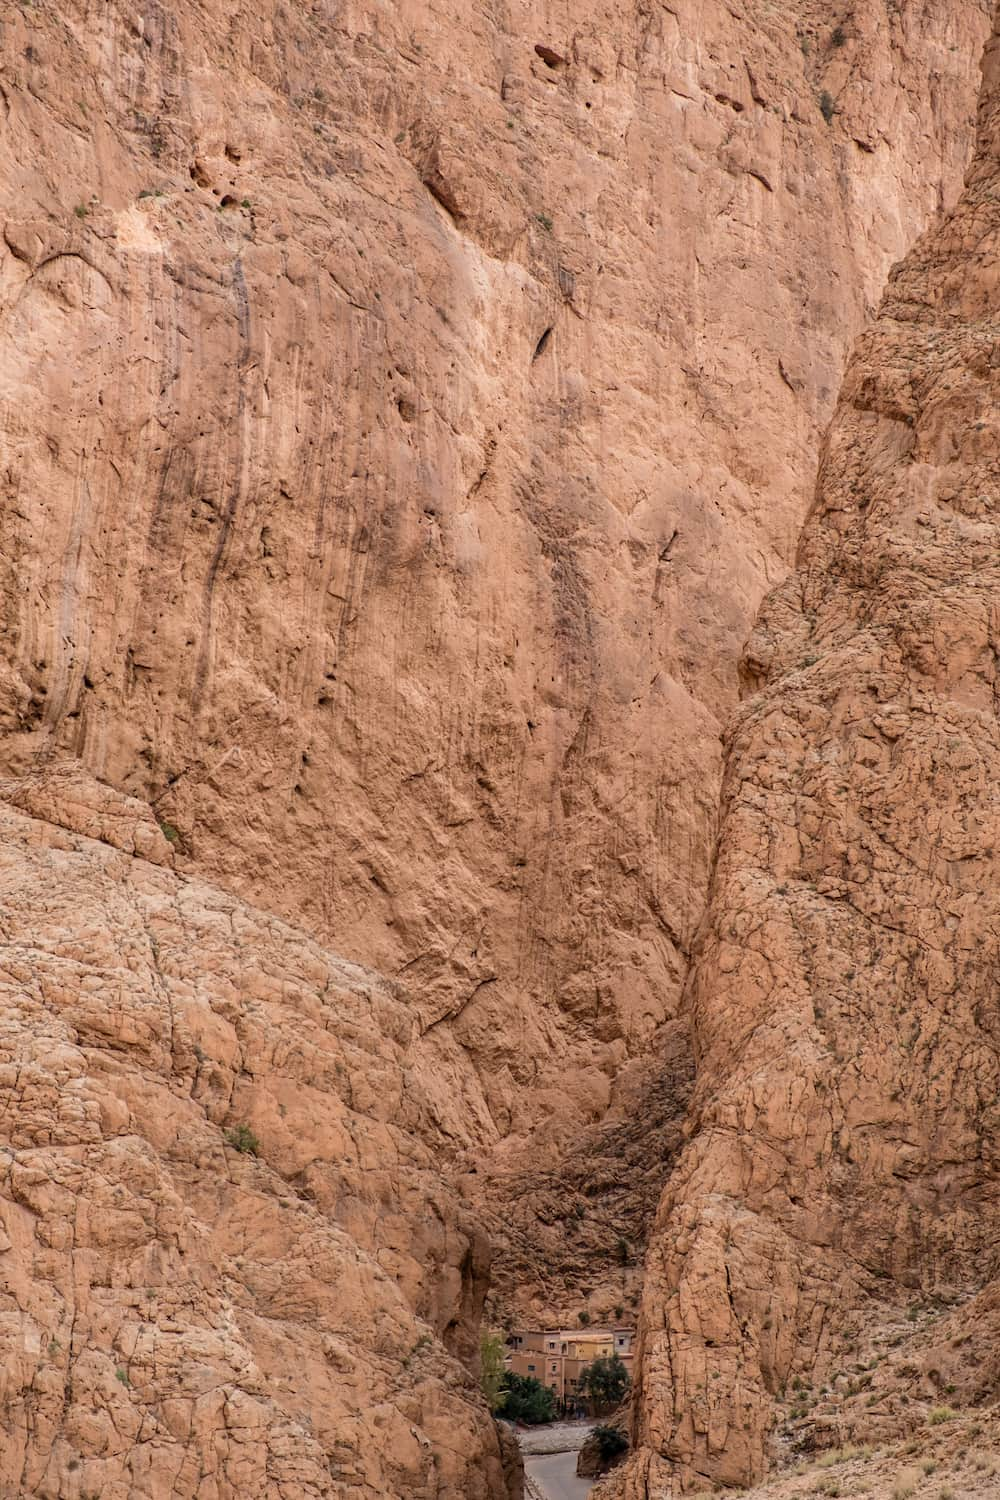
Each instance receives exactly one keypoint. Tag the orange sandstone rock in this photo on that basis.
(228, 1265)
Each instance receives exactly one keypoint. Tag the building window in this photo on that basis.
(531, 1369)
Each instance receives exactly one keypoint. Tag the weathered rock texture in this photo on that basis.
(416, 623)
(404, 409)
(179, 1317)
(954, 1455)
(845, 1124)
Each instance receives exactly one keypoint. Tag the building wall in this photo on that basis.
(558, 1357)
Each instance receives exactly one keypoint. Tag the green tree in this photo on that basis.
(606, 1382)
(527, 1400)
(491, 1369)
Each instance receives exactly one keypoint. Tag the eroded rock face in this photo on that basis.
(179, 1316)
(401, 432)
(843, 1164)
(403, 413)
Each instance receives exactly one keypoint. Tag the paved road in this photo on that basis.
(555, 1473)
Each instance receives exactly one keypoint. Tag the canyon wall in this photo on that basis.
(842, 1176)
(228, 1264)
(403, 414)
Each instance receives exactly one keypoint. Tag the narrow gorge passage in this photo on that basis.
(404, 411)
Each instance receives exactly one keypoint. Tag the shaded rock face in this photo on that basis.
(402, 419)
(571, 1233)
(843, 1160)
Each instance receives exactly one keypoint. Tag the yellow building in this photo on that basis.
(557, 1357)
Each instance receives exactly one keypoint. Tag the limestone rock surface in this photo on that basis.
(228, 1266)
(404, 408)
(841, 1176)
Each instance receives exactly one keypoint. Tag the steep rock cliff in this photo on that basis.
(401, 434)
(842, 1181)
(403, 414)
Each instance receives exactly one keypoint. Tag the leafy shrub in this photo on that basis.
(605, 1381)
(610, 1442)
(242, 1139)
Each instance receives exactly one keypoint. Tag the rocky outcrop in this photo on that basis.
(605, 1446)
(404, 410)
(842, 1167)
(228, 1266)
(954, 1455)
(512, 1460)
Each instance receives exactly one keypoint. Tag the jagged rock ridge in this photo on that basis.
(843, 1162)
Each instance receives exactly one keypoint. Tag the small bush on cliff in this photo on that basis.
(242, 1139)
(827, 107)
(611, 1441)
(525, 1399)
